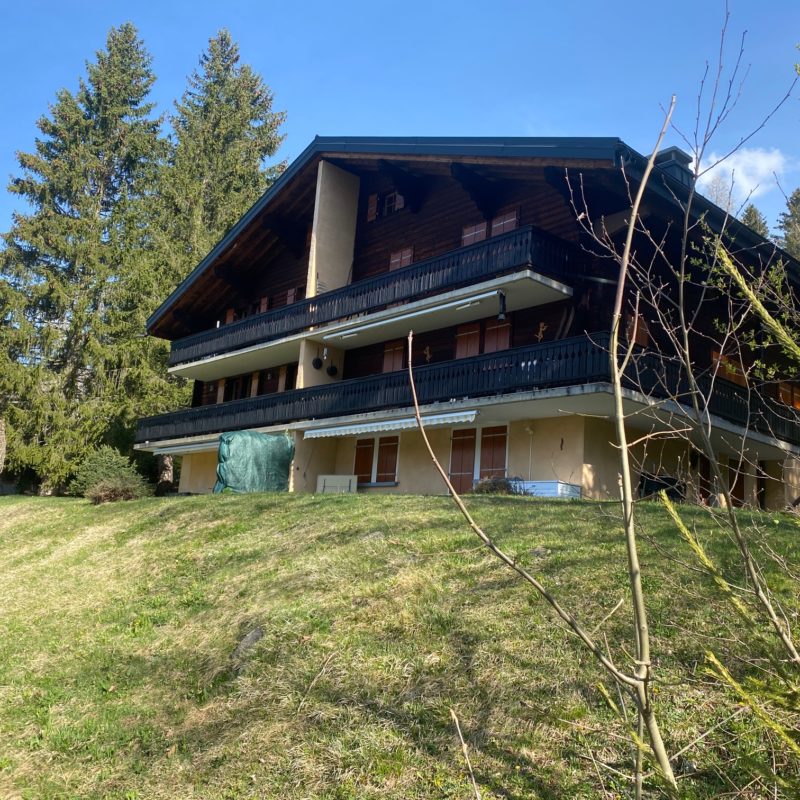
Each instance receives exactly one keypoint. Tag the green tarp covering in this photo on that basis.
(254, 462)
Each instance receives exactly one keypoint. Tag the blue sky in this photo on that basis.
(510, 68)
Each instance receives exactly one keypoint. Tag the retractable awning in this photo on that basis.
(402, 423)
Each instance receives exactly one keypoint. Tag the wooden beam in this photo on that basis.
(291, 233)
(413, 188)
(487, 195)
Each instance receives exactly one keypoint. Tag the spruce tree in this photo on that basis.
(223, 131)
(755, 220)
(66, 261)
(789, 225)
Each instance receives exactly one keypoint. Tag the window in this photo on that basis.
(384, 204)
(473, 233)
(476, 454)
(729, 368)
(789, 394)
(376, 460)
(468, 340)
(636, 329)
(392, 201)
(237, 388)
(393, 353)
(505, 222)
(401, 258)
(496, 336)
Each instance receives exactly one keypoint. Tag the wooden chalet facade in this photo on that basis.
(297, 321)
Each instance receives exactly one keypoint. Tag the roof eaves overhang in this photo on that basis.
(585, 148)
(675, 192)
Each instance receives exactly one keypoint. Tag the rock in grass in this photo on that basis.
(239, 655)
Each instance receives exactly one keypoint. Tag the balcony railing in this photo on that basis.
(523, 247)
(569, 362)
(563, 363)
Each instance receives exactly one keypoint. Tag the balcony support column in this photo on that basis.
(333, 232)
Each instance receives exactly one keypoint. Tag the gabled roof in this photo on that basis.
(611, 150)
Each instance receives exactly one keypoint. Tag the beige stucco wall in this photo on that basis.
(198, 472)
(312, 457)
(333, 230)
(307, 375)
(546, 449)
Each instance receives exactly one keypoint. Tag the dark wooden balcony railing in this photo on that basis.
(569, 362)
(500, 254)
(563, 363)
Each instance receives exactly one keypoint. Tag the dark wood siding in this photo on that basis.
(439, 225)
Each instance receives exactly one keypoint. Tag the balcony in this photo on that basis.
(524, 247)
(568, 362)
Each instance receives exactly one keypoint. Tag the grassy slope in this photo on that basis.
(117, 625)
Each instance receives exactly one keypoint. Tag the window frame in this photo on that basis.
(375, 442)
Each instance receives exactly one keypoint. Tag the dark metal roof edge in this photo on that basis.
(738, 229)
(228, 238)
(554, 147)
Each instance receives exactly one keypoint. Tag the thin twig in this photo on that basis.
(465, 751)
(315, 679)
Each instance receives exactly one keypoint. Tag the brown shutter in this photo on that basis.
(462, 459)
(372, 208)
(387, 459)
(468, 340)
(229, 316)
(263, 305)
(363, 463)
(291, 296)
(497, 336)
(493, 452)
(393, 356)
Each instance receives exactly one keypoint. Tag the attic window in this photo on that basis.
(392, 202)
(503, 223)
(473, 233)
(401, 258)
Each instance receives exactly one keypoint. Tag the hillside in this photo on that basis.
(118, 626)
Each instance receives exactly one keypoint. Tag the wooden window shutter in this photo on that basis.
(399, 202)
(291, 296)
(372, 208)
(230, 315)
(493, 452)
(263, 305)
(462, 459)
(497, 336)
(468, 340)
(362, 468)
(387, 459)
(393, 356)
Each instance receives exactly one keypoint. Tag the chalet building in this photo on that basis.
(297, 322)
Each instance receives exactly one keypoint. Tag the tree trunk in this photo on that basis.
(166, 474)
(2, 444)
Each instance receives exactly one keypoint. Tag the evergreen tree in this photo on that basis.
(789, 225)
(68, 263)
(755, 220)
(224, 130)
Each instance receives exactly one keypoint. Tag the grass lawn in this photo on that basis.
(118, 626)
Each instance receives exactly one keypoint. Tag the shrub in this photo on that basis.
(494, 486)
(107, 466)
(121, 487)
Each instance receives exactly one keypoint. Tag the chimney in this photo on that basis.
(675, 162)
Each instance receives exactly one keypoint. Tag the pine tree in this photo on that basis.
(755, 220)
(789, 225)
(224, 130)
(65, 340)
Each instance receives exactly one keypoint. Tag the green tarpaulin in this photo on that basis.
(254, 462)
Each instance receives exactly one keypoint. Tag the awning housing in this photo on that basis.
(400, 424)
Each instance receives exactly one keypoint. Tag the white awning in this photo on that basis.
(400, 424)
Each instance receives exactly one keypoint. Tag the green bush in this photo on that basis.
(121, 487)
(108, 466)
